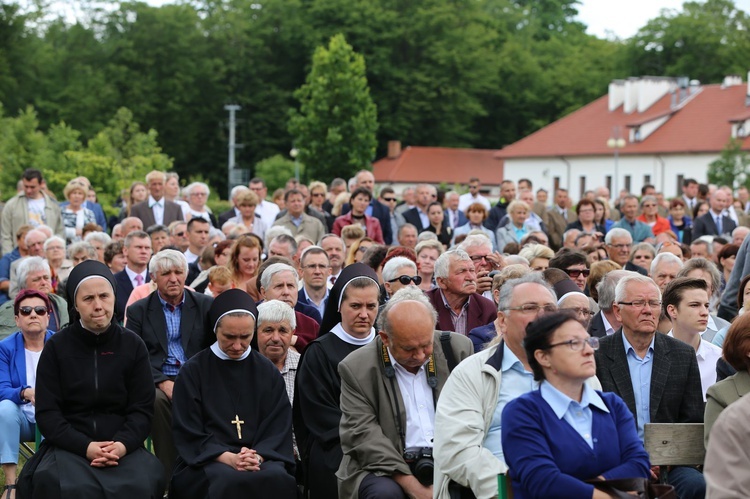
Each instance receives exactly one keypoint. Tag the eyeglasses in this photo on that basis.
(479, 258)
(405, 280)
(533, 308)
(389, 200)
(38, 310)
(319, 195)
(577, 345)
(583, 312)
(574, 273)
(473, 187)
(316, 266)
(180, 234)
(587, 210)
(199, 194)
(649, 206)
(54, 248)
(620, 246)
(641, 303)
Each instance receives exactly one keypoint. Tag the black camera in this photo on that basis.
(422, 465)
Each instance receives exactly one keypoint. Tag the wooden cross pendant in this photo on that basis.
(237, 421)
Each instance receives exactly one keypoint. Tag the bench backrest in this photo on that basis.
(674, 443)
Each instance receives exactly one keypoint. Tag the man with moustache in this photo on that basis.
(460, 308)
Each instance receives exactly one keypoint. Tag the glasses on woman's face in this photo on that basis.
(405, 279)
(577, 272)
(578, 345)
(38, 310)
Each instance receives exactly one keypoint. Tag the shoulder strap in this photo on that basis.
(445, 342)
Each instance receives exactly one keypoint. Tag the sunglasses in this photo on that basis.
(390, 200)
(180, 234)
(319, 195)
(576, 272)
(39, 310)
(405, 280)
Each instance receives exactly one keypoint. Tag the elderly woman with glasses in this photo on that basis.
(565, 433)
(19, 356)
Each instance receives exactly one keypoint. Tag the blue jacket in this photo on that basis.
(548, 458)
(638, 230)
(482, 335)
(13, 367)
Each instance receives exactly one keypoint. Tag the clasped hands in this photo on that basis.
(104, 454)
(244, 460)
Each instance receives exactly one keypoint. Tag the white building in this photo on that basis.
(648, 130)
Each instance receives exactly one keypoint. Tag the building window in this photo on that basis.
(582, 187)
(556, 184)
(608, 183)
(680, 179)
(646, 179)
(627, 183)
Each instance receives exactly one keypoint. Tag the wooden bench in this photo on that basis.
(674, 444)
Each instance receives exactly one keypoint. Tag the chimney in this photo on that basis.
(394, 149)
(616, 94)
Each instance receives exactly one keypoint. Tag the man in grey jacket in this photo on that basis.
(388, 393)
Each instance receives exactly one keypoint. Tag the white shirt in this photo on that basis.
(36, 211)
(157, 207)
(466, 200)
(267, 212)
(419, 404)
(190, 257)
(607, 326)
(707, 355)
(32, 361)
(131, 275)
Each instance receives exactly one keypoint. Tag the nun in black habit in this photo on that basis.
(347, 325)
(231, 416)
(94, 403)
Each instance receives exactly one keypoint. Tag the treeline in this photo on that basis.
(478, 73)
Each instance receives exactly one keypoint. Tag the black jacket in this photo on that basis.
(94, 388)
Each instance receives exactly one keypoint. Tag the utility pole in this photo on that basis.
(232, 108)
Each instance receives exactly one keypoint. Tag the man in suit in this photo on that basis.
(315, 268)
(714, 223)
(605, 323)
(639, 231)
(366, 179)
(657, 376)
(690, 195)
(401, 372)
(453, 215)
(460, 308)
(558, 218)
(137, 252)
(172, 323)
(618, 242)
(156, 209)
(417, 216)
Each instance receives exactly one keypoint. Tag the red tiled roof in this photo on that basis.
(440, 164)
(702, 125)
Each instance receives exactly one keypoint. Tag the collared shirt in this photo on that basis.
(423, 218)
(419, 404)
(157, 207)
(576, 414)
(459, 320)
(515, 382)
(175, 353)
(320, 306)
(190, 256)
(267, 212)
(297, 221)
(607, 326)
(520, 232)
(289, 372)
(466, 200)
(707, 356)
(131, 275)
(640, 377)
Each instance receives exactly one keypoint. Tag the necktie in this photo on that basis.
(333, 279)
(138, 280)
(718, 225)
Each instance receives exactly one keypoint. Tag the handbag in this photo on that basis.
(623, 488)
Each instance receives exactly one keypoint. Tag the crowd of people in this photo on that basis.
(344, 340)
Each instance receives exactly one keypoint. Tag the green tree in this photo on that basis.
(276, 170)
(732, 168)
(335, 127)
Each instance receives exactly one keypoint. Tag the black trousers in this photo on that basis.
(380, 487)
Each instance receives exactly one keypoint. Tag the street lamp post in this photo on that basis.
(616, 142)
(294, 153)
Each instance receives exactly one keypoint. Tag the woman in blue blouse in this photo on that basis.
(557, 437)
(19, 355)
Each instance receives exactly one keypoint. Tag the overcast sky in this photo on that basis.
(603, 17)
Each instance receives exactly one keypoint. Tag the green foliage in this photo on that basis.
(276, 170)
(335, 127)
(732, 168)
(118, 153)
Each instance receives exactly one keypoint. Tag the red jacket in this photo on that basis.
(372, 224)
(661, 225)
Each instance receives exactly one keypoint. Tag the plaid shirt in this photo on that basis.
(459, 320)
(289, 372)
(175, 353)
